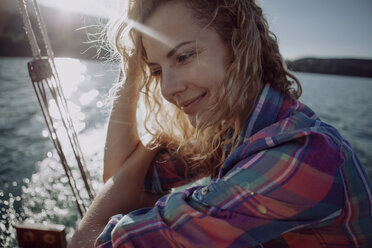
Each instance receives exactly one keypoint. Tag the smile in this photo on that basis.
(191, 106)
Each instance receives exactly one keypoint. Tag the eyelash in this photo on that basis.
(181, 59)
(156, 73)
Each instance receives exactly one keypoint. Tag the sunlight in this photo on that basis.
(150, 32)
(104, 9)
(100, 8)
(88, 97)
(53, 109)
(71, 73)
(77, 116)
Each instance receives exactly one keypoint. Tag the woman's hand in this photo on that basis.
(122, 136)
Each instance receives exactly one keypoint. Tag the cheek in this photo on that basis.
(165, 95)
(214, 72)
(215, 80)
(206, 75)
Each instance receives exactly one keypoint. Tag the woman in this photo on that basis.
(280, 176)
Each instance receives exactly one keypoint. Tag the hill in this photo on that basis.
(346, 67)
(68, 33)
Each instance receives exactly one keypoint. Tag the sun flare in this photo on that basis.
(91, 7)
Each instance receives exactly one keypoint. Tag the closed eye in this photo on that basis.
(185, 57)
(156, 73)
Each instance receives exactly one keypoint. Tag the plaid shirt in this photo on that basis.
(292, 182)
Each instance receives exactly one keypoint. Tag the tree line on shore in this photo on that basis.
(71, 34)
(337, 66)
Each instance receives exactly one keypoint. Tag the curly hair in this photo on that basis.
(256, 60)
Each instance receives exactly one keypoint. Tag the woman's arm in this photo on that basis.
(122, 136)
(122, 193)
(265, 194)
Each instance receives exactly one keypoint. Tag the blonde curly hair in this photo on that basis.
(256, 61)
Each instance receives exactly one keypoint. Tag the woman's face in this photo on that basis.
(191, 62)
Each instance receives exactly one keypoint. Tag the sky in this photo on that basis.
(304, 28)
(323, 28)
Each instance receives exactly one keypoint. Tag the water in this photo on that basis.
(33, 186)
(345, 103)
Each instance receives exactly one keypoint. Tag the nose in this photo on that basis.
(172, 83)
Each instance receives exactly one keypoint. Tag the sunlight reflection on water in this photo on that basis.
(71, 73)
(38, 192)
(88, 97)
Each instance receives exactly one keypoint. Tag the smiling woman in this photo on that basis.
(192, 71)
(220, 103)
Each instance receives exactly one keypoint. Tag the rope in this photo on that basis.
(28, 28)
(67, 121)
(43, 72)
(43, 101)
(43, 30)
(72, 137)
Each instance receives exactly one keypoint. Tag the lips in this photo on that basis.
(191, 106)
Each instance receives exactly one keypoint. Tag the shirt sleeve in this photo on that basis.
(268, 193)
(167, 172)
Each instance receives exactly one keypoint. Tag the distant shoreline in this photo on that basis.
(334, 66)
(68, 39)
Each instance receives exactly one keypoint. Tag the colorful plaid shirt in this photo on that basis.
(292, 182)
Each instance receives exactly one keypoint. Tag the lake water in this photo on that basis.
(33, 186)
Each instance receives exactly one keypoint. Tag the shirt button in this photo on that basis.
(204, 190)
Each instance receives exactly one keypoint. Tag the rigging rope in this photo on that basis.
(28, 28)
(67, 122)
(43, 31)
(47, 86)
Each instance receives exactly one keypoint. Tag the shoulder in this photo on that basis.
(298, 134)
(295, 133)
(295, 121)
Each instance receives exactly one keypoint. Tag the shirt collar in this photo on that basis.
(265, 113)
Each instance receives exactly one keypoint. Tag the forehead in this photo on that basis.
(170, 24)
